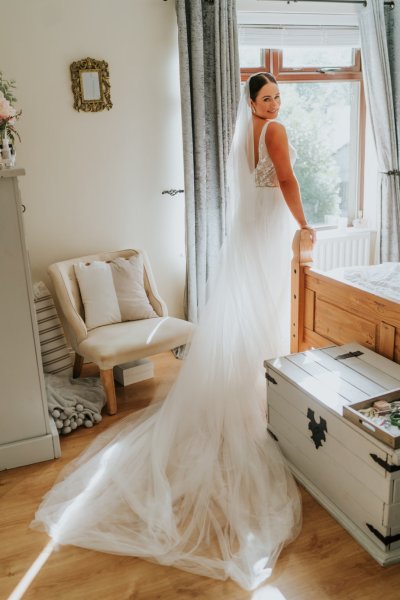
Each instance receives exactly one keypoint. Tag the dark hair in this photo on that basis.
(257, 81)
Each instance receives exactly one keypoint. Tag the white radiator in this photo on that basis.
(343, 248)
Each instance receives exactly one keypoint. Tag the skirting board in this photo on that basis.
(381, 557)
(28, 452)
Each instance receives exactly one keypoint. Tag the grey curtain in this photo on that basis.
(210, 90)
(393, 41)
(378, 71)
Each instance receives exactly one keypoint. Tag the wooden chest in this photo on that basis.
(355, 476)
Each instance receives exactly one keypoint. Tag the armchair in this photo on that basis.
(118, 343)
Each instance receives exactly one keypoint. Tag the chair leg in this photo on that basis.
(78, 364)
(107, 379)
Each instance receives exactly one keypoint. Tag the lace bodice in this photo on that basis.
(265, 173)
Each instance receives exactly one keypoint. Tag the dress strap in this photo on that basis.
(262, 148)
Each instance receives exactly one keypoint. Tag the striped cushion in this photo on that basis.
(55, 355)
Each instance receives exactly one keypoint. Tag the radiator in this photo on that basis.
(346, 248)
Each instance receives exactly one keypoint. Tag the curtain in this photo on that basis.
(210, 90)
(379, 94)
(393, 41)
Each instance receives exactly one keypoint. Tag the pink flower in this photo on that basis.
(6, 110)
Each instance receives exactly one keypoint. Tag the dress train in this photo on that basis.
(196, 482)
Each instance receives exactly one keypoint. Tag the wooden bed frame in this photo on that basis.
(326, 311)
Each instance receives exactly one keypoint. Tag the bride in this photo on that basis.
(195, 482)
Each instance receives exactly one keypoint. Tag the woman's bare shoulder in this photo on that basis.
(276, 136)
(276, 128)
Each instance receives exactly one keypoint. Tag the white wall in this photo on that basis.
(94, 180)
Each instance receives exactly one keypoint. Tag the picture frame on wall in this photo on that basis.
(91, 85)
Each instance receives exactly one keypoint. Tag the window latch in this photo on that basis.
(329, 70)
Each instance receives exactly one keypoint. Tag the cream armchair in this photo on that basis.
(110, 345)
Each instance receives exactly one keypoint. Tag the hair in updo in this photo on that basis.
(257, 81)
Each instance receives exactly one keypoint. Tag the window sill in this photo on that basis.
(342, 233)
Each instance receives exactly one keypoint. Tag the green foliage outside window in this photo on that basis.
(309, 112)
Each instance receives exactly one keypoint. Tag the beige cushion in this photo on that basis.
(123, 342)
(68, 298)
(98, 293)
(128, 277)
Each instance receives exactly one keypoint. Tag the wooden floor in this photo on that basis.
(323, 563)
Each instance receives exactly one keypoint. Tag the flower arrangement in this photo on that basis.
(8, 114)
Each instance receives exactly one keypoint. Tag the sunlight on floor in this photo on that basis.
(31, 573)
(72, 511)
(268, 592)
(57, 528)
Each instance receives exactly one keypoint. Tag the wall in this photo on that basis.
(94, 180)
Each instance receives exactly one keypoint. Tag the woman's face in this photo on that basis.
(268, 101)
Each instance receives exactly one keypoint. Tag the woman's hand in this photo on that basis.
(313, 233)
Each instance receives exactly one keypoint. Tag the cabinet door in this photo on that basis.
(22, 411)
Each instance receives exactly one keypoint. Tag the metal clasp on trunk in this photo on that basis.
(349, 355)
(387, 540)
(317, 429)
(270, 378)
(384, 464)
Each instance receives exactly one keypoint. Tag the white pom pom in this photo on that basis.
(59, 424)
(97, 418)
(56, 413)
(68, 411)
(67, 422)
(79, 421)
(79, 407)
(88, 423)
(65, 430)
(73, 425)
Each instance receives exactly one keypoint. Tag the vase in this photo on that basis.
(6, 151)
(3, 135)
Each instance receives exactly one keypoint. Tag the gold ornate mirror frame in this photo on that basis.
(91, 85)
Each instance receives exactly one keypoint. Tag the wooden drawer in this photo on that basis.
(353, 413)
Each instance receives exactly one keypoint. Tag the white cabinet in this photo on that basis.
(26, 433)
(354, 475)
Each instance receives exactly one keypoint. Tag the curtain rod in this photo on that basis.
(389, 3)
(294, 26)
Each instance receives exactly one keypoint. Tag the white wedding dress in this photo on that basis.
(196, 482)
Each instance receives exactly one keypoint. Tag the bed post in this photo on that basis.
(302, 257)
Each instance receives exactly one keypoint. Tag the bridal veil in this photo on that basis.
(196, 482)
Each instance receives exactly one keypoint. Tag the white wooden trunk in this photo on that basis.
(26, 433)
(355, 476)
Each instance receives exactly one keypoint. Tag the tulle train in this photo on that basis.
(196, 482)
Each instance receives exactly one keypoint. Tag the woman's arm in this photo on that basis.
(278, 149)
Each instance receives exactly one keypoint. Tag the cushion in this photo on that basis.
(98, 293)
(123, 342)
(128, 276)
(113, 291)
(56, 357)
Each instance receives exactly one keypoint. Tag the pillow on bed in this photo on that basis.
(128, 277)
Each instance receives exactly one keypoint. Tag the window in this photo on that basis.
(323, 108)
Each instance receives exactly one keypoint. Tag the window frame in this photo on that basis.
(273, 63)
